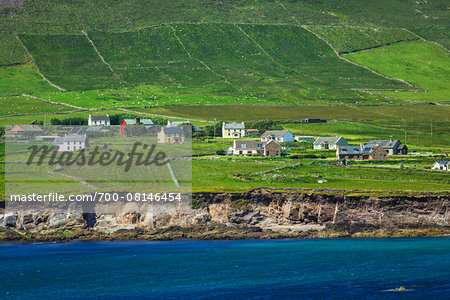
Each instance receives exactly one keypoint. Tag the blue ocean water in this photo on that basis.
(297, 269)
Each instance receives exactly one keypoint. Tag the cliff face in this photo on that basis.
(257, 214)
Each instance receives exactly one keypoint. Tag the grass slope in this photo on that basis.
(23, 105)
(69, 61)
(424, 64)
(20, 79)
(349, 39)
(152, 56)
(235, 58)
(11, 52)
(427, 18)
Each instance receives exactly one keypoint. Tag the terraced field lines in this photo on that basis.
(359, 65)
(257, 44)
(197, 59)
(98, 53)
(37, 69)
(53, 102)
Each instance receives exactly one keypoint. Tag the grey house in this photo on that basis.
(393, 147)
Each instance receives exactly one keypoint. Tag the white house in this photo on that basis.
(99, 120)
(441, 165)
(281, 136)
(71, 142)
(329, 142)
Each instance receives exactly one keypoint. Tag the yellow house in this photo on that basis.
(233, 130)
(171, 135)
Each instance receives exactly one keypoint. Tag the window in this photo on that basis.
(243, 145)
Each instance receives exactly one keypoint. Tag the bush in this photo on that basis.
(221, 152)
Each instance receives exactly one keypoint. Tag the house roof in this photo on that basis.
(173, 130)
(274, 133)
(252, 130)
(97, 128)
(442, 163)
(386, 144)
(178, 123)
(327, 140)
(99, 117)
(71, 138)
(146, 121)
(234, 125)
(352, 150)
(368, 148)
(27, 128)
(249, 144)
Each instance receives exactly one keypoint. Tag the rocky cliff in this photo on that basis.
(253, 215)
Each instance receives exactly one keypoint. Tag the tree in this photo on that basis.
(55, 121)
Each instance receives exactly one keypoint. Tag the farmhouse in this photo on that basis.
(99, 120)
(361, 152)
(71, 142)
(250, 147)
(171, 135)
(441, 165)
(329, 142)
(26, 130)
(394, 147)
(282, 136)
(233, 130)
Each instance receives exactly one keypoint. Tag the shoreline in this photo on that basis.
(259, 214)
(27, 243)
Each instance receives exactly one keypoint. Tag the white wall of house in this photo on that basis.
(71, 146)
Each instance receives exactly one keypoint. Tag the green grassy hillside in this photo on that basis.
(421, 63)
(349, 39)
(426, 18)
(69, 61)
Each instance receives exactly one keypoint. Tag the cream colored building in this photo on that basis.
(233, 130)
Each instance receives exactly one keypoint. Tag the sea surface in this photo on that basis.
(276, 269)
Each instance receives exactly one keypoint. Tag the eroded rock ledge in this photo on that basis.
(259, 214)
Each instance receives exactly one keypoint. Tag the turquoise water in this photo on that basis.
(228, 269)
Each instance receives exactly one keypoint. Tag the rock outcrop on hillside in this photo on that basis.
(254, 215)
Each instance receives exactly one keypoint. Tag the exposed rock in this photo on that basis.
(255, 215)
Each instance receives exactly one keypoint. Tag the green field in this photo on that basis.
(421, 63)
(251, 58)
(11, 52)
(22, 79)
(243, 175)
(25, 105)
(428, 19)
(69, 61)
(244, 61)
